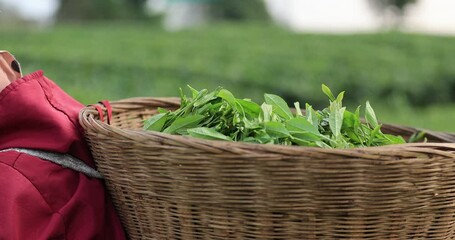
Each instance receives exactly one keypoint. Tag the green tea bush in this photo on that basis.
(113, 61)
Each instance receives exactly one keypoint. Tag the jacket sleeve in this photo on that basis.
(24, 213)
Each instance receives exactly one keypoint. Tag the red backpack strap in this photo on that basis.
(100, 110)
(108, 107)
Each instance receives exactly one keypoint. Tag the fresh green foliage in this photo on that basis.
(279, 106)
(219, 115)
(156, 122)
(207, 133)
(370, 116)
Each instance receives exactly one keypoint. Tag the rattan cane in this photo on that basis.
(174, 187)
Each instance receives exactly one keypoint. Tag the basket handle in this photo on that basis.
(431, 135)
(107, 105)
(444, 136)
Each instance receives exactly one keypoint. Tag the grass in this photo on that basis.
(409, 79)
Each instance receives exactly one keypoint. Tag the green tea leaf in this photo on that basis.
(298, 111)
(207, 133)
(200, 95)
(251, 124)
(350, 120)
(266, 112)
(326, 90)
(156, 122)
(339, 98)
(228, 97)
(280, 106)
(340, 142)
(353, 136)
(312, 115)
(183, 99)
(162, 110)
(276, 129)
(205, 99)
(357, 116)
(370, 116)
(251, 108)
(373, 134)
(322, 144)
(250, 140)
(416, 137)
(305, 137)
(184, 123)
(394, 139)
(336, 121)
(262, 137)
(193, 91)
(203, 109)
(301, 124)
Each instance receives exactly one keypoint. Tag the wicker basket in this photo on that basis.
(173, 187)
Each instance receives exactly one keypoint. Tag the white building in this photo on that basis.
(347, 16)
(41, 11)
(432, 16)
(324, 15)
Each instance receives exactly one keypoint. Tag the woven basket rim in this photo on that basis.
(88, 113)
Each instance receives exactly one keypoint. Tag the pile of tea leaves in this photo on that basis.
(219, 115)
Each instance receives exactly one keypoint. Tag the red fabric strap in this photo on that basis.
(100, 111)
(109, 110)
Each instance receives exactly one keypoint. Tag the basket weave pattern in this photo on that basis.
(173, 187)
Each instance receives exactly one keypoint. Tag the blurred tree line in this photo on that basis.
(232, 10)
(238, 10)
(87, 10)
(80, 10)
(400, 5)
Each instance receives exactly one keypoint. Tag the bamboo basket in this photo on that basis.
(174, 187)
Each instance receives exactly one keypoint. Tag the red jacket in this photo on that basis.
(40, 199)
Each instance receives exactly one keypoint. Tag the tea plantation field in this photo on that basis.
(408, 78)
